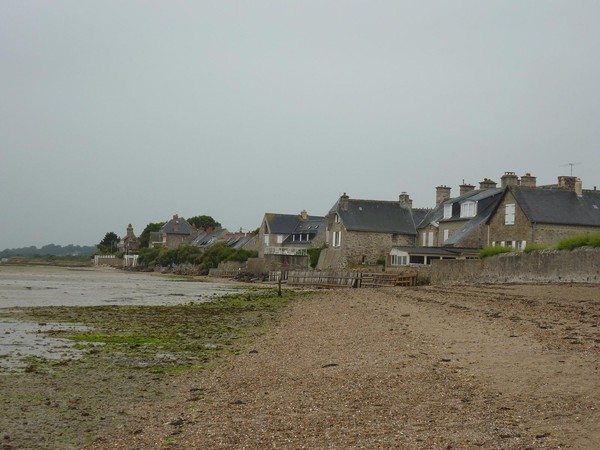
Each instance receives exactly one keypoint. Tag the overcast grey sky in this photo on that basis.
(117, 112)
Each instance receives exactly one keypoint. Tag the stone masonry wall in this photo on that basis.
(371, 246)
(579, 265)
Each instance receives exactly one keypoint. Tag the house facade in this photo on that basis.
(284, 239)
(544, 215)
(362, 232)
(130, 243)
(175, 232)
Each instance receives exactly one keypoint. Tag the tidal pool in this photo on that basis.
(36, 286)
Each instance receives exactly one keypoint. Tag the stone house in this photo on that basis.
(130, 243)
(175, 232)
(460, 221)
(543, 215)
(284, 239)
(362, 232)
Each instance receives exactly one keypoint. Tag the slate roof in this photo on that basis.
(483, 214)
(484, 199)
(376, 216)
(290, 223)
(184, 226)
(560, 207)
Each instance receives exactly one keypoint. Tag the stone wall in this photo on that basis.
(579, 265)
(367, 248)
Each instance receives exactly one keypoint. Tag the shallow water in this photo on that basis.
(53, 286)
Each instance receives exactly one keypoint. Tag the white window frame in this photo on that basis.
(448, 211)
(337, 239)
(430, 239)
(446, 234)
(468, 209)
(424, 238)
(509, 214)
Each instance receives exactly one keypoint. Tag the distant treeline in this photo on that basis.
(74, 251)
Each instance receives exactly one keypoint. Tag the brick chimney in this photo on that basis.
(528, 180)
(442, 193)
(464, 188)
(344, 202)
(175, 223)
(509, 179)
(405, 200)
(487, 184)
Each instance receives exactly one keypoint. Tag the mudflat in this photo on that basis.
(472, 366)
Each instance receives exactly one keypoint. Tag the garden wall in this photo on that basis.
(579, 265)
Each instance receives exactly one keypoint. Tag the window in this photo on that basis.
(336, 218)
(509, 214)
(523, 244)
(424, 239)
(430, 239)
(337, 238)
(448, 211)
(446, 235)
(399, 260)
(279, 239)
(468, 209)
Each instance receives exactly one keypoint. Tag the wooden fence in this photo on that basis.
(347, 279)
(221, 273)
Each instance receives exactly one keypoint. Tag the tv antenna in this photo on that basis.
(571, 164)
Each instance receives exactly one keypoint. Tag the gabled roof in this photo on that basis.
(290, 223)
(482, 216)
(208, 238)
(420, 215)
(376, 216)
(171, 226)
(558, 206)
(484, 199)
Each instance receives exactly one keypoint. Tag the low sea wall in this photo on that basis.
(579, 265)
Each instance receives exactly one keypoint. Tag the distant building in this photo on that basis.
(130, 243)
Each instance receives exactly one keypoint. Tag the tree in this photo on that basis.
(109, 243)
(203, 222)
(150, 228)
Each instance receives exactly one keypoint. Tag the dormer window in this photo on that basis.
(468, 209)
(448, 211)
(336, 218)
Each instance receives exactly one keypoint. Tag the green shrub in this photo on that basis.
(313, 255)
(572, 242)
(594, 240)
(492, 251)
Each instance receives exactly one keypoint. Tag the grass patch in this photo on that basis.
(579, 240)
(166, 339)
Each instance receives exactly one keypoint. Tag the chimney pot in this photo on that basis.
(344, 202)
(487, 184)
(509, 179)
(442, 193)
(405, 200)
(464, 188)
(528, 180)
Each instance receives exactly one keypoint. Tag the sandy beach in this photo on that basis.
(478, 366)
